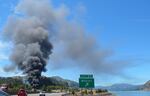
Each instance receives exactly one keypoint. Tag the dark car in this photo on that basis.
(2, 93)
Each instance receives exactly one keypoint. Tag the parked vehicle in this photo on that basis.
(42, 94)
(2, 93)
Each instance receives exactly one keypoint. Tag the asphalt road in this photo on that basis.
(47, 94)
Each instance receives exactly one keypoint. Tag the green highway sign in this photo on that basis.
(86, 81)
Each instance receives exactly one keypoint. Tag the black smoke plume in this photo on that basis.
(31, 46)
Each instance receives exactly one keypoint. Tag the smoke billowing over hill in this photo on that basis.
(36, 26)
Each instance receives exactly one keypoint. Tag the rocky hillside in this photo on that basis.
(146, 86)
(69, 82)
(58, 81)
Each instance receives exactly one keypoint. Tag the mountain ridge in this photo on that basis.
(59, 81)
(121, 87)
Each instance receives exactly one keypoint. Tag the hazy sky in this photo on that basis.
(122, 26)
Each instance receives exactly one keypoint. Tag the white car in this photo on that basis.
(42, 94)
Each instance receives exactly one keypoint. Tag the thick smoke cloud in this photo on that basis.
(31, 44)
(35, 23)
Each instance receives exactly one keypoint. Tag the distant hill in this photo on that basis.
(121, 87)
(146, 86)
(47, 81)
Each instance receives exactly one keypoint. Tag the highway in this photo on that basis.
(47, 94)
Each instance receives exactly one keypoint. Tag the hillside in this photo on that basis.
(46, 81)
(69, 82)
(146, 86)
(58, 81)
(121, 87)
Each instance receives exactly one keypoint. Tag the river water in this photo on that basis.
(131, 93)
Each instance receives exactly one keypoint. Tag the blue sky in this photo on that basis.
(121, 25)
